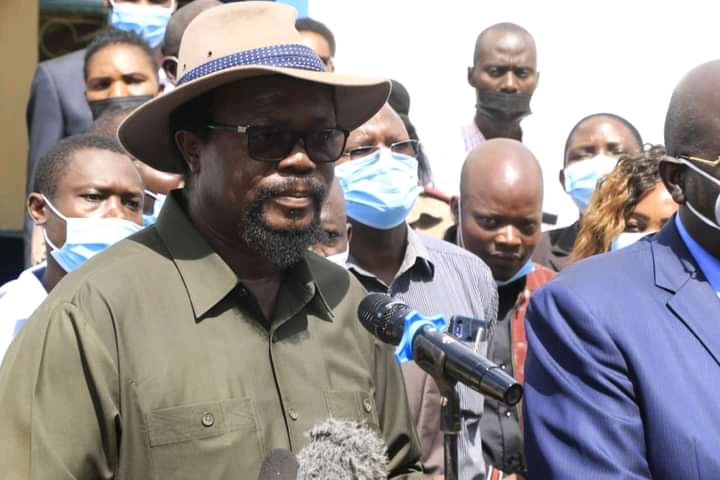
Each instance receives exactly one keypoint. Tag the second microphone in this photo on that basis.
(434, 351)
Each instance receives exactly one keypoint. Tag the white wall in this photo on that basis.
(623, 57)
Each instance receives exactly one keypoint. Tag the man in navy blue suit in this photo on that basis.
(623, 370)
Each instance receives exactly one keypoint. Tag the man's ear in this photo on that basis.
(470, 79)
(348, 226)
(189, 144)
(37, 208)
(169, 65)
(561, 177)
(454, 209)
(673, 176)
(106, 3)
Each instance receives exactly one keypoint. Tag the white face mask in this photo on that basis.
(716, 223)
(626, 239)
(339, 258)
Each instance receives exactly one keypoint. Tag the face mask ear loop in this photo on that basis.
(52, 208)
(55, 212)
(702, 217)
(690, 207)
(47, 240)
(460, 241)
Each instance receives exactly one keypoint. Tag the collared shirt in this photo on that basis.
(447, 162)
(500, 426)
(18, 300)
(436, 277)
(472, 136)
(152, 361)
(709, 264)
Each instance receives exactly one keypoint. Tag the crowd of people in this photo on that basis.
(209, 201)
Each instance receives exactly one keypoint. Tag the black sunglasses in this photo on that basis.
(272, 144)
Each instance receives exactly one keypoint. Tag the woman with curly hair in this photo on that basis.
(629, 203)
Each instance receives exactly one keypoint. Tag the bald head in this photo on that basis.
(385, 126)
(507, 36)
(501, 193)
(692, 129)
(505, 61)
(501, 164)
(692, 123)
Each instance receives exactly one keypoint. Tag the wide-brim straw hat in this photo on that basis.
(232, 42)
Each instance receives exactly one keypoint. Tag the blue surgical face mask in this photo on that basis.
(710, 222)
(151, 218)
(148, 21)
(86, 237)
(625, 239)
(523, 272)
(380, 189)
(581, 178)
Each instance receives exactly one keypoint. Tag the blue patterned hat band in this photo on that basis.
(285, 56)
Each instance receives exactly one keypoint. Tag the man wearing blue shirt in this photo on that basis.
(623, 370)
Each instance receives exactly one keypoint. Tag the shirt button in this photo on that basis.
(508, 414)
(292, 413)
(208, 420)
(367, 405)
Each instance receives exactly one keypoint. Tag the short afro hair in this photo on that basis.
(51, 166)
(633, 131)
(114, 36)
(307, 24)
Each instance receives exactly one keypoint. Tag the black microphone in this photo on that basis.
(435, 351)
(343, 450)
(280, 464)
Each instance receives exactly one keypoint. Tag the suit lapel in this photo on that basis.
(693, 301)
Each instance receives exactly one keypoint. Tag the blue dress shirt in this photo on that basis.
(709, 265)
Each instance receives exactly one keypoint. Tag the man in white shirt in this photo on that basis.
(84, 177)
(504, 75)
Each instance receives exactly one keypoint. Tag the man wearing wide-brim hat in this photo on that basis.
(191, 349)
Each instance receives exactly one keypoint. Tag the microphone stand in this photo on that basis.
(450, 426)
(432, 360)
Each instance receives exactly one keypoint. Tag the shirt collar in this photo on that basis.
(709, 265)
(207, 278)
(416, 256)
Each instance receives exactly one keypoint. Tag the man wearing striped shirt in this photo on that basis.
(378, 174)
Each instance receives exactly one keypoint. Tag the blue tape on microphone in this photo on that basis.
(413, 322)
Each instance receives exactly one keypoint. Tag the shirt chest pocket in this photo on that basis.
(358, 406)
(217, 440)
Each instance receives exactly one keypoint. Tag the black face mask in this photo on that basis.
(98, 107)
(503, 107)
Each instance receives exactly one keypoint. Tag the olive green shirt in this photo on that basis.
(152, 361)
